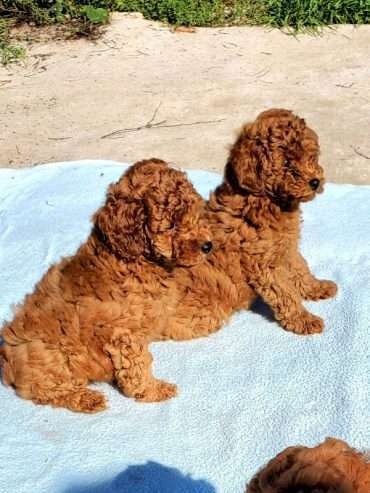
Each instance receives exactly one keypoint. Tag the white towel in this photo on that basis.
(245, 393)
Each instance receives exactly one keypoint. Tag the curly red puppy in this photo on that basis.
(272, 167)
(331, 467)
(92, 316)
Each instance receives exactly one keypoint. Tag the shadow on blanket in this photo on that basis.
(147, 478)
(261, 308)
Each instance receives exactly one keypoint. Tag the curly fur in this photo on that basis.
(92, 315)
(270, 171)
(331, 467)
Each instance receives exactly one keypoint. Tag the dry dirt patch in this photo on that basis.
(144, 90)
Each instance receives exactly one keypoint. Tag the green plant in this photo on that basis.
(9, 52)
(296, 14)
(85, 16)
(95, 15)
(301, 14)
(180, 12)
(43, 12)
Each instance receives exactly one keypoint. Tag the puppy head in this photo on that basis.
(277, 156)
(305, 470)
(153, 210)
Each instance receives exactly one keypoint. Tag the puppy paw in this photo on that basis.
(86, 401)
(159, 391)
(304, 324)
(321, 291)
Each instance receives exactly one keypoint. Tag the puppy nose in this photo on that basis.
(207, 247)
(314, 184)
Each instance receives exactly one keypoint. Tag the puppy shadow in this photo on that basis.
(146, 478)
(261, 308)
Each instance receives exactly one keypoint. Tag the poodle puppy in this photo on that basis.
(92, 315)
(272, 167)
(331, 467)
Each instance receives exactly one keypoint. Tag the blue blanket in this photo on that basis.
(245, 392)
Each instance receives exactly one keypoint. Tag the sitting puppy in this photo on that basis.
(92, 316)
(332, 467)
(272, 168)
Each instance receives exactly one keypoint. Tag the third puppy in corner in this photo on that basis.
(331, 467)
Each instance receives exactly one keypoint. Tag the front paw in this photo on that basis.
(322, 290)
(304, 324)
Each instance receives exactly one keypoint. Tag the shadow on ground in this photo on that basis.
(147, 478)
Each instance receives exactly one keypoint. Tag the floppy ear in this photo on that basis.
(120, 224)
(245, 163)
(266, 479)
(163, 212)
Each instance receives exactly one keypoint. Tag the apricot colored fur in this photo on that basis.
(92, 316)
(331, 467)
(267, 176)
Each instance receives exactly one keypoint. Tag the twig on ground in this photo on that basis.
(360, 153)
(193, 123)
(117, 134)
(59, 138)
(345, 86)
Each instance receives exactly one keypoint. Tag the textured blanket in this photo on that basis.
(245, 392)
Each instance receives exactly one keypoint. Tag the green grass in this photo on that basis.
(85, 16)
(197, 12)
(295, 14)
(312, 14)
(9, 51)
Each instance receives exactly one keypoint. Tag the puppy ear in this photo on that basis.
(120, 224)
(265, 480)
(245, 163)
(164, 208)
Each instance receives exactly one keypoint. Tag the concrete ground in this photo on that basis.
(143, 90)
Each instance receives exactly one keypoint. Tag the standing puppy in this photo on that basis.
(273, 167)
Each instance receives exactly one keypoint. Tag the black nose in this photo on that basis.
(207, 247)
(314, 184)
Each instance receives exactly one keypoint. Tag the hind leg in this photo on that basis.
(40, 373)
(132, 363)
(79, 399)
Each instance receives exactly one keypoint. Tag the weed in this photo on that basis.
(9, 52)
(85, 16)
